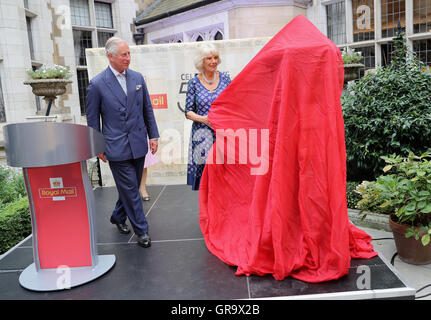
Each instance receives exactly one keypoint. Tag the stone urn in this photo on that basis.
(50, 89)
(351, 71)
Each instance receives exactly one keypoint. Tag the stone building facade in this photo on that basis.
(363, 25)
(370, 25)
(183, 21)
(37, 32)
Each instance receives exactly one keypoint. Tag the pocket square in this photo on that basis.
(138, 87)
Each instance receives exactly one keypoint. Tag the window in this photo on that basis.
(103, 15)
(368, 59)
(178, 38)
(392, 12)
(387, 53)
(82, 76)
(336, 22)
(80, 12)
(422, 48)
(172, 38)
(102, 37)
(84, 30)
(2, 106)
(81, 41)
(421, 16)
(363, 20)
(218, 36)
(206, 33)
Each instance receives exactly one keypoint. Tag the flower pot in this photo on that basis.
(409, 250)
(49, 89)
(351, 71)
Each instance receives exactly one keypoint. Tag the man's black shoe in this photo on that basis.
(122, 227)
(144, 240)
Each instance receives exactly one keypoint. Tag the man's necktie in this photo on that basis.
(122, 79)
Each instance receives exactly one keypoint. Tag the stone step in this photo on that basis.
(373, 220)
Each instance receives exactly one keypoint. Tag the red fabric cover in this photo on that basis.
(291, 220)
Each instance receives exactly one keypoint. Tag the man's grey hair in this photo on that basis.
(111, 45)
(204, 50)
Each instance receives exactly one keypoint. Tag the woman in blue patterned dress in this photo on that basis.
(202, 90)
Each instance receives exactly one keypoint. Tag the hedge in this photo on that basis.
(387, 112)
(15, 223)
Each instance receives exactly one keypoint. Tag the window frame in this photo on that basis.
(391, 29)
(111, 18)
(337, 38)
(357, 14)
(74, 16)
(418, 27)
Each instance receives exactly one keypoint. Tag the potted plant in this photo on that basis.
(404, 191)
(49, 81)
(352, 64)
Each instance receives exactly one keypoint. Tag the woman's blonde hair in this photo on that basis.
(204, 50)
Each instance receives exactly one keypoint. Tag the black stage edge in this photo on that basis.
(178, 266)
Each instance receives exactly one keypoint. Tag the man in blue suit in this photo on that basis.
(119, 97)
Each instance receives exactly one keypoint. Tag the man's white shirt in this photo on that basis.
(121, 77)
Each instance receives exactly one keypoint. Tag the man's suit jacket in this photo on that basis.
(126, 120)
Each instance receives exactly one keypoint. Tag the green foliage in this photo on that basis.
(15, 223)
(352, 196)
(50, 72)
(404, 191)
(371, 196)
(400, 59)
(12, 186)
(387, 112)
(351, 57)
(423, 233)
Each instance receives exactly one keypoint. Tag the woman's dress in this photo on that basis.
(198, 100)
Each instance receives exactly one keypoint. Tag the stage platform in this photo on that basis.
(178, 266)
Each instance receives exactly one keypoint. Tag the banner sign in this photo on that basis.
(167, 68)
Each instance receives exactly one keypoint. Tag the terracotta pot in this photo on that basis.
(409, 250)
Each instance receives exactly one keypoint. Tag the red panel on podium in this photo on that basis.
(63, 228)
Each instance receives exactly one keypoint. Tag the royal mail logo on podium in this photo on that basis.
(57, 191)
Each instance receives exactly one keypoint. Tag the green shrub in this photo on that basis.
(12, 186)
(351, 57)
(15, 223)
(387, 112)
(352, 196)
